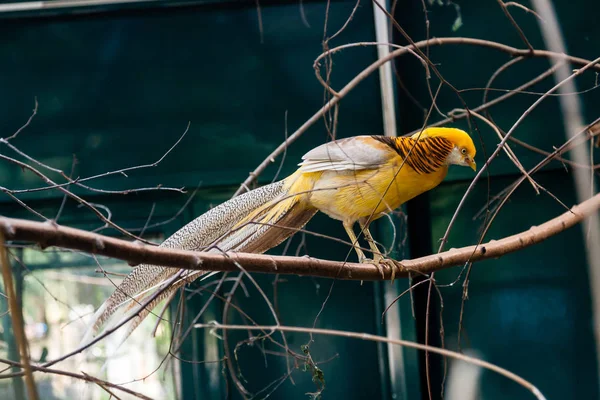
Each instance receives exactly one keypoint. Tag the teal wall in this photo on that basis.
(120, 88)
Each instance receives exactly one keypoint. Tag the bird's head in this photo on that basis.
(463, 152)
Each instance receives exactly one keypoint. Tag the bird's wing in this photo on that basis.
(350, 154)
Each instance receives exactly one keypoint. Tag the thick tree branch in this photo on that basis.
(49, 234)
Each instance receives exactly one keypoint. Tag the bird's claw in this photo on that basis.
(379, 263)
(392, 265)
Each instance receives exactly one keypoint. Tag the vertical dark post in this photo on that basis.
(419, 231)
(412, 98)
(382, 354)
(402, 375)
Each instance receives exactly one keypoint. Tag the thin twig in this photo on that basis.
(78, 181)
(511, 155)
(33, 114)
(72, 195)
(522, 7)
(515, 25)
(83, 377)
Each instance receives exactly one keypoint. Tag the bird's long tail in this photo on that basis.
(253, 222)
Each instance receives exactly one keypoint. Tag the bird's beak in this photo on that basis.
(472, 164)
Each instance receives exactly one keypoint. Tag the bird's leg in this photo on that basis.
(361, 256)
(354, 240)
(378, 258)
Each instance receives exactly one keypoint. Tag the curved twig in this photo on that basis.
(375, 338)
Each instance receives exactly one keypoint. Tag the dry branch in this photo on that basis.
(49, 234)
(16, 314)
(83, 377)
(382, 339)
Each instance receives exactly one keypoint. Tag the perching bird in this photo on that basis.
(357, 179)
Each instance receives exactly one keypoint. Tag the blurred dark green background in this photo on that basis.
(118, 84)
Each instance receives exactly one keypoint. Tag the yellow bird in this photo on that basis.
(357, 179)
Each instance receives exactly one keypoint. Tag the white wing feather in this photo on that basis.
(348, 154)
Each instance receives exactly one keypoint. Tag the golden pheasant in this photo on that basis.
(357, 179)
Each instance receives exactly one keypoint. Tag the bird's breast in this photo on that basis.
(350, 195)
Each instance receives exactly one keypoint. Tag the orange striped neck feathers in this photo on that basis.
(428, 150)
(425, 155)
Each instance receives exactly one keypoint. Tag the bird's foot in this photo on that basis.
(380, 262)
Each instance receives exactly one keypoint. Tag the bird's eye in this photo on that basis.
(464, 151)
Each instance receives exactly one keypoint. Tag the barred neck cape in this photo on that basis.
(424, 155)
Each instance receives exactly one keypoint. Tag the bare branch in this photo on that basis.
(367, 336)
(522, 7)
(33, 114)
(78, 181)
(84, 377)
(48, 234)
(515, 25)
(72, 195)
